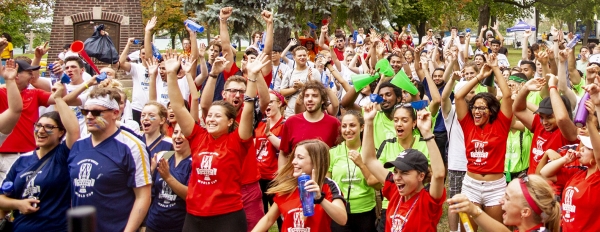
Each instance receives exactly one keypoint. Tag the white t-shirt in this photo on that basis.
(289, 78)
(141, 83)
(457, 157)
(503, 61)
(2, 138)
(278, 72)
(76, 109)
(162, 95)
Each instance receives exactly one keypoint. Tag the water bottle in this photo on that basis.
(53, 76)
(7, 187)
(408, 28)
(468, 30)
(355, 35)
(582, 112)
(65, 79)
(101, 77)
(574, 42)
(156, 53)
(271, 86)
(307, 198)
(325, 80)
(136, 41)
(312, 25)
(194, 26)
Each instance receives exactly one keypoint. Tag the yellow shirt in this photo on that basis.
(7, 51)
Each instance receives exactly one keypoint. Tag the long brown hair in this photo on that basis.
(285, 183)
(230, 113)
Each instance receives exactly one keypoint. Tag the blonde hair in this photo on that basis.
(285, 183)
(162, 113)
(543, 196)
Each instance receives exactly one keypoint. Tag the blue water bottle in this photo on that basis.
(136, 41)
(156, 53)
(307, 198)
(7, 188)
(468, 30)
(574, 41)
(53, 76)
(194, 26)
(312, 25)
(355, 35)
(101, 77)
(408, 28)
(65, 79)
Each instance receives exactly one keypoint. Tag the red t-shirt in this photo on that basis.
(542, 141)
(21, 139)
(291, 208)
(266, 153)
(486, 147)
(215, 182)
(297, 129)
(250, 165)
(580, 200)
(425, 212)
(339, 53)
(234, 69)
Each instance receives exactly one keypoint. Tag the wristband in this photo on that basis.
(318, 201)
(86, 86)
(553, 87)
(429, 138)
(213, 75)
(250, 80)
(476, 215)
(250, 99)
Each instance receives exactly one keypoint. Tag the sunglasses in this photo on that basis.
(416, 105)
(95, 113)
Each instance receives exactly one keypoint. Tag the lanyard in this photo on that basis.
(407, 213)
(276, 71)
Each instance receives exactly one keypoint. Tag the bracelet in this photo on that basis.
(476, 215)
(318, 201)
(222, 19)
(429, 138)
(213, 75)
(86, 86)
(250, 99)
(250, 80)
(553, 87)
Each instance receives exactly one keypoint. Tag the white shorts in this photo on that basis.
(484, 193)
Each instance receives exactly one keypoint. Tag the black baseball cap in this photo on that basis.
(461, 34)
(409, 159)
(545, 106)
(24, 66)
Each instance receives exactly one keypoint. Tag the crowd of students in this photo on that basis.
(205, 145)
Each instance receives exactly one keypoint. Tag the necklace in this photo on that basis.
(407, 213)
(352, 175)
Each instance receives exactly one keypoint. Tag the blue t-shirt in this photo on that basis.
(167, 211)
(439, 122)
(50, 186)
(104, 176)
(161, 144)
(219, 86)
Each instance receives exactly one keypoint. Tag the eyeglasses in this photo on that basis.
(234, 91)
(479, 108)
(95, 113)
(46, 127)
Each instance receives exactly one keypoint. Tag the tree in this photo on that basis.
(170, 17)
(583, 10)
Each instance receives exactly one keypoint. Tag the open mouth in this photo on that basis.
(171, 116)
(400, 132)
(477, 119)
(146, 125)
(401, 186)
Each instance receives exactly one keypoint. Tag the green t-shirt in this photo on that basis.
(345, 173)
(383, 128)
(517, 157)
(534, 98)
(578, 88)
(481, 89)
(390, 149)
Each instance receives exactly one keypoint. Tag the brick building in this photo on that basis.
(75, 20)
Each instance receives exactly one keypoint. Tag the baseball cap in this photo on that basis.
(545, 106)
(594, 59)
(586, 141)
(461, 34)
(24, 66)
(489, 33)
(409, 159)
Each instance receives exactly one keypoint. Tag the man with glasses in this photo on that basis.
(112, 165)
(429, 38)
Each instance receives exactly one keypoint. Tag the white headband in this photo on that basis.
(105, 101)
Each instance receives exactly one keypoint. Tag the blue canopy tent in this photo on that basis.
(520, 26)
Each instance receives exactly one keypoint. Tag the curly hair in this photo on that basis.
(318, 86)
(492, 103)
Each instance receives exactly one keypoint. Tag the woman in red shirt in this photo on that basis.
(412, 207)
(214, 200)
(528, 203)
(486, 124)
(310, 156)
(580, 195)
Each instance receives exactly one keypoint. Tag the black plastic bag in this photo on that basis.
(101, 47)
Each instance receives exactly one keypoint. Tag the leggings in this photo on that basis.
(229, 222)
(357, 222)
(381, 224)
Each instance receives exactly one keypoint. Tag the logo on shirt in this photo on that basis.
(206, 168)
(166, 197)
(479, 153)
(397, 222)
(538, 151)
(84, 183)
(298, 221)
(261, 152)
(31, 189)
(567, 207)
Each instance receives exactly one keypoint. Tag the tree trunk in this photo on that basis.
(571, 26)
(588, 29)
(493, 21)
(537, 25)
(484, 16)
(173, 35)
(281, 35)
(207, 35)
(421, 31)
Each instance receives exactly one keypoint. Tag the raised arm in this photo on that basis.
(507, 102)
(437, 164)
(245, 128)
(147, 40)
(72, 98)
(520, 106)
(152, 65)
(572, 67)
(202, 62)
(189, 69)
(525, 45)
(10, 116)
(542, 57)
(224, 14)
(67, 116)
(261, 84)
(461, 105)
(497, 32)
(293, 42)
(35, 80)
(322, 36)
(448, 89)
(562, 77)
(184, 118)
(368, 146)
(564, 122)
(209, 88)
